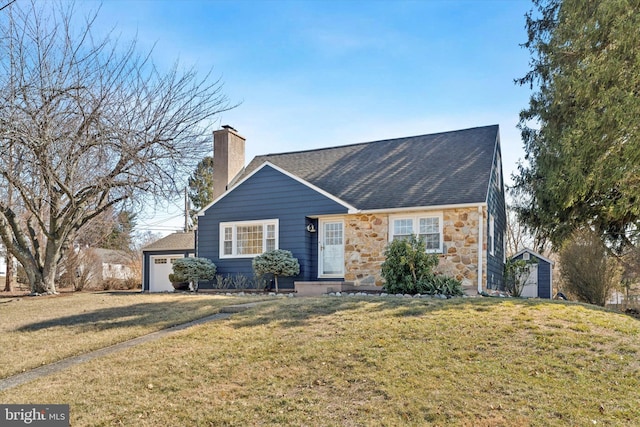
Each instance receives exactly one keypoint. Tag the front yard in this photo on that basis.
(351, 362)
(35, 331)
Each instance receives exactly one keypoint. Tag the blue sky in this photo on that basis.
(312, 74)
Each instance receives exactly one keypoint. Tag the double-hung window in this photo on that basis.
(427, 227)
(247, 239)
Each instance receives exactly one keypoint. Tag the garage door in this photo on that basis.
(159, 269)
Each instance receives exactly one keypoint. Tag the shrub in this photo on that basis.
(192, 270)
(238, 281)
(278, 262)
(441, 285)
(588, 271)
(406, 265)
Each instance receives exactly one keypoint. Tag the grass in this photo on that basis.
(39, 330)
(365, 361)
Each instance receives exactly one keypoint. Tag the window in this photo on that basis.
(499, 173)
(427, 227)
(247, 239)
(491, 237)
(160, 261)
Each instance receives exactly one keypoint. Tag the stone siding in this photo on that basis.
(460, 257)
(367, 235)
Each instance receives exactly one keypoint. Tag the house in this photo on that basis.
(158, 259)
(113, 264)
(337, 208)
(539, 283)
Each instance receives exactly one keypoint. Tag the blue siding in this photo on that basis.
(544, 279)
(497, 208)
(268, 194)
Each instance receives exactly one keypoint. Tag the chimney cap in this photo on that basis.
(229, 127)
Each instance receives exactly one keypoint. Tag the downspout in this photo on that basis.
(480, 249)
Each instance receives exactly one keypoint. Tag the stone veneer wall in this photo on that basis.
(366, 237)
(460, 258)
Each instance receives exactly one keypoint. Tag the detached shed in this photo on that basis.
(539, 284)
(158, 259)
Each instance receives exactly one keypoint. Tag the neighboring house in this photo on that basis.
(116, 265)
(3, 264)
(337, 208)
(3, 261)
(158, 259)
(539, 283)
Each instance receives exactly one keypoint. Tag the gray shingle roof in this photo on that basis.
(427, 170)
(180, 241)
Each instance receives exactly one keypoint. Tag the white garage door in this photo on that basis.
(160, 266)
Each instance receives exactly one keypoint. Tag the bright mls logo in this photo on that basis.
(34, 415)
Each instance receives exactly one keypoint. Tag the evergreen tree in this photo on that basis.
(580, 130)
(201, 185)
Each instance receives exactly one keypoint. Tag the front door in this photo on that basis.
(331, 248)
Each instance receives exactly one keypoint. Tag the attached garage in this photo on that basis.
(158, 259)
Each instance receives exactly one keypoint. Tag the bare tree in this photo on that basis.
(588, 269)
(92, 124)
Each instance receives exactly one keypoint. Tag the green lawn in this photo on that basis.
(368, 361)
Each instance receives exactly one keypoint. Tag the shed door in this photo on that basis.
(160, 266)
(530, 289)
(331, 249)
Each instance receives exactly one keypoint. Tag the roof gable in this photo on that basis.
(267, 164)
(533, 253)
(179, 241)
(446, 168)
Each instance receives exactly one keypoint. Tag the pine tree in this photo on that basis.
(580, 130)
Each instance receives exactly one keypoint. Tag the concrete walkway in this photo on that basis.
(43, 371)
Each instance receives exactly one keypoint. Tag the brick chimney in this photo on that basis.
(228, 157)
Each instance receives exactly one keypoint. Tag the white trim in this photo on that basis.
(422, 208)
(234, 239)
(480, 251)
(321, 224)
(350, 208)
(415, 217)
(534, 253)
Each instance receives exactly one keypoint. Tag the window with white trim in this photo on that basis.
(427, 227)
(247, 239)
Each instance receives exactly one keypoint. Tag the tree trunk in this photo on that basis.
(275, 276)
(42, 279)
(9, 277)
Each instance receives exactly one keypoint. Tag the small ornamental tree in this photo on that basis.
(407, 265)
(516, 273)
(192, 270)
(278, 262)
